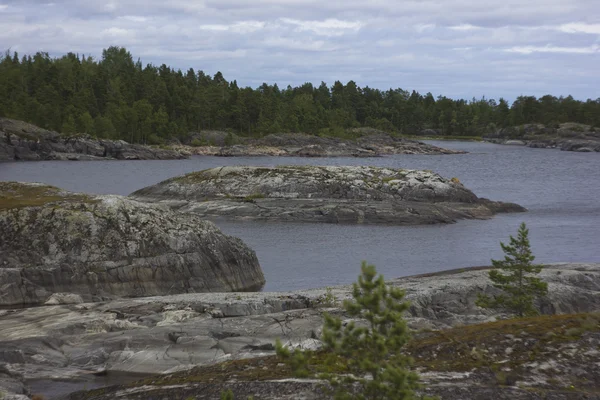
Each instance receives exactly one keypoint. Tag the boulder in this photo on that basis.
(105, 246)
(63, 298)
(366, 195)
(582, 146)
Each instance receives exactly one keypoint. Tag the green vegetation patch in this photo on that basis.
(15, 195)
(458, 349)
(195, 177)
(484, 345)
(254, 196)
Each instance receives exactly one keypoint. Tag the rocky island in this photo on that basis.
(568, 136)
(22, 141)
(361, 142)
(354, 195)
(461, 350)
(99, 247)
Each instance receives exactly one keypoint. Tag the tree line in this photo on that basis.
(119, 98)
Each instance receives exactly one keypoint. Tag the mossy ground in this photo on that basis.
(473, 346)
(15, 195)
(480, 349)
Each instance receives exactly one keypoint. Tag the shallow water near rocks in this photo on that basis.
(560, 189)
(59, 389)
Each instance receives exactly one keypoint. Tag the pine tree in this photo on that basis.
(374, 365)
(157, 103)
(513, 276)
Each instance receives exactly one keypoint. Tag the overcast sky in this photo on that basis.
(458, 48)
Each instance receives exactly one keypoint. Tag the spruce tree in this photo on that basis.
(513, 276)
(374, 366)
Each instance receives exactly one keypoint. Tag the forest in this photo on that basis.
(119, 98)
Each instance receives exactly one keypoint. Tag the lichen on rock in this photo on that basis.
(106, 246)
(357, 194)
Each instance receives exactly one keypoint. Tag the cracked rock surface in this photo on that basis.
(166, 334)
(97, 247)
(354, 195)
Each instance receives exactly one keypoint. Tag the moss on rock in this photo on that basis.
(18, 195)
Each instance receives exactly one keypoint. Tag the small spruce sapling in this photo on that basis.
(364, 360)
(513, 276)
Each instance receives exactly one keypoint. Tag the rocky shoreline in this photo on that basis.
(99, 247)
(367, 142)
(352, 195)
(20, 141)
(566, 137)
(166, 334)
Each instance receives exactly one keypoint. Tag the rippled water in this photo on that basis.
(560, 189)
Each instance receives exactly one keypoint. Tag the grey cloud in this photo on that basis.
(453, 47)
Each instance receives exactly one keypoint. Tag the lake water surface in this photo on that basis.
(560, 189)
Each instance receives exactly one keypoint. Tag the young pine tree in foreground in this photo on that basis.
(513, 276)
(364, 360)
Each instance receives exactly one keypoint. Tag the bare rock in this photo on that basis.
(63, 298)
(164, 334)
(366, 142)
(26, 142)
(363, 195)
(105, 246)
(567, 136)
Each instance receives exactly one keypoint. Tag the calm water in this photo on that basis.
(560, 189)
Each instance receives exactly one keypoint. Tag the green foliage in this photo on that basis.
(68, 126)
(328, 299)
(85, 123)
(129, 101)
(251, 197)
(512, 275)
(104, 128)
(227, 395)
(371, 352)
(155, 140)
(230, 139)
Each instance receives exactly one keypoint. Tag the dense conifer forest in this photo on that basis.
(117, 97)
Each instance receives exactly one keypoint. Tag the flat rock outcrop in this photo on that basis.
(367, 142)
(22, 141)
(363, 195)
(105, 246)
(567, 136)
(166, 334)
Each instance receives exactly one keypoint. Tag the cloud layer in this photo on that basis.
(459, 48)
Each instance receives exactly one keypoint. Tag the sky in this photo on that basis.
(456, 48)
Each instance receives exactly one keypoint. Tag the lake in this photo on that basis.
(561, 190)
